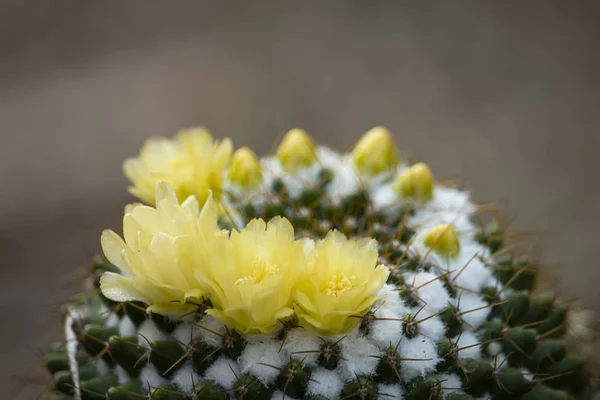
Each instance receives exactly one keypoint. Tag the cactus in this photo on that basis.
(308, 274)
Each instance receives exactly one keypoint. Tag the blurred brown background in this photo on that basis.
(502, 94)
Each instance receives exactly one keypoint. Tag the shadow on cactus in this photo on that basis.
(309, 274)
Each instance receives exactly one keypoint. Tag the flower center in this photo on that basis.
(260, 269)
(338, 284)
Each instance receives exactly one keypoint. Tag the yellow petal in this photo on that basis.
(173, 310)
(113, 247)
(118, 288)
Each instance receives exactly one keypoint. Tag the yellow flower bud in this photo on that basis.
(443, 240)
(375, 152)
(296, 150)
(339, 284)
(245, 169)
(416, 182)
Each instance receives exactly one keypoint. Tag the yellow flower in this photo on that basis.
(416, 182)
(296, 150)
(252, 282)
(164, 253)
(245, 169)
(191, 163)
(339, 285)
(443, 240)
(375, 152)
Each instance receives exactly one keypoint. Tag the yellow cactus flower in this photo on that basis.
(296, 150)
(245, 169)
(252, 283)
(192, 163)
(164, 250)
(375, 152)
(443, 240)
(416, 182)
(339, 284)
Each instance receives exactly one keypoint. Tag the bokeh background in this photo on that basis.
(503, 95)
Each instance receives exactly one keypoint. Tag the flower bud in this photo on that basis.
(416, 182)
(245, 169)
(375, 152)
(443, 240)
(296, 150)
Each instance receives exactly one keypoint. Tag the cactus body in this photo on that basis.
(455, 318)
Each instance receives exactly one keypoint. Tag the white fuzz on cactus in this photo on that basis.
(308, 274)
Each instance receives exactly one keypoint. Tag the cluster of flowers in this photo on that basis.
(175, 257)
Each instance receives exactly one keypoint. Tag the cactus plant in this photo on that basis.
(308, 274)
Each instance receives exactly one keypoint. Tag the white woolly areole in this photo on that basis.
(500, 361)
(150, 378)
(345, 179)
(384, 197)
(71, 347)
(466, 339)
(432, 328)
(211, 331)
(494, 348)
(527, 374)
(279, 395)
(224, 371)
(386, 329)
(431, 291)
(186, 332)
(294, 181)
(425, 220)
(450, 383)
(185, 378)
(112, 320)
(386, 392)
(474, 309)
(475, 274)
(122, 375)
(101, 366)
(148, 331)
(423, 356)
(303, 345)
(358, 356)
(263, 360)
(391, 299)
(451, 199)
(326, 383)
(126, 327)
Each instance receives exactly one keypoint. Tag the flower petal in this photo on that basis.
(119, 288)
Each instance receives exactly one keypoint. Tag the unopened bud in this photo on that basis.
(416, 183)
(443, 240)
(245, 169)
(296, 150)
(375, 152)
